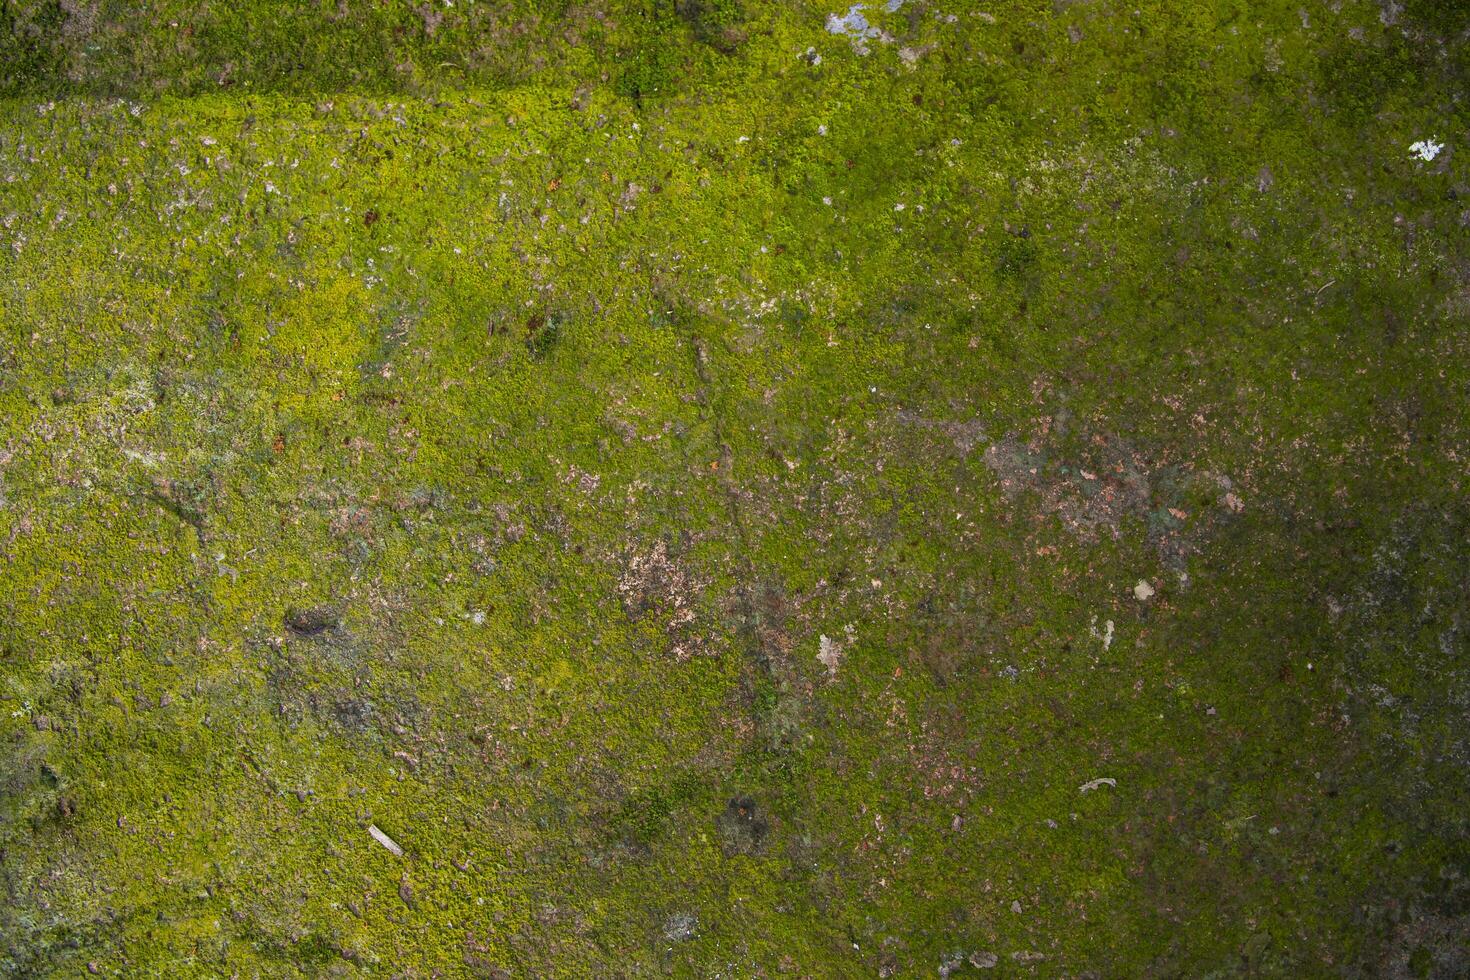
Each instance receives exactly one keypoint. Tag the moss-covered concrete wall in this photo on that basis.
(734, 489)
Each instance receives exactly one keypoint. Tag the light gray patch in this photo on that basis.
(854, 25)
(681, 927)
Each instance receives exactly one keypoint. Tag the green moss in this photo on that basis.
(468, 421)
(27, 31)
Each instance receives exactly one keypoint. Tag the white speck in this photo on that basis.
(822, 130)
(1426, 149)
(1143, 591)
(827, 201)
(743, 139)
(898, 207)
(1093, 784)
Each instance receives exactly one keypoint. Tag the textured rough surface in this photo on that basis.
(734, 489)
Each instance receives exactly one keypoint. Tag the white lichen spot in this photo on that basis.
(1426, 150)
(1143, 591)
(852, 23)
(855, 27)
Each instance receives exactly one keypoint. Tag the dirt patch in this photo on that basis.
(1110, 484)
(743, 827)
(654, 585)
(313, 621)
(1428, 946)
(1097, 484)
